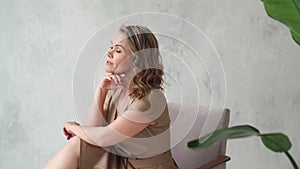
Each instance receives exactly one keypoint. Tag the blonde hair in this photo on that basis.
(147, 64)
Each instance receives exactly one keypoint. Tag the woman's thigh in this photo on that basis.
(96, 157)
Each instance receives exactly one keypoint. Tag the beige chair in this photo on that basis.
(190, 120)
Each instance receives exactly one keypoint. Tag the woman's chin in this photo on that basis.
(109, 71)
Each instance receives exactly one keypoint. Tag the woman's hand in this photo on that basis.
(112, 81)
(67, 131)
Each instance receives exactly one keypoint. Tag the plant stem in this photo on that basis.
(291, 160)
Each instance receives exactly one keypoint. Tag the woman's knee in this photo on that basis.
(74, 140)
(74, 145)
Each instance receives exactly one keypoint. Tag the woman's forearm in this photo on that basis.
(96, 113)
(100, 98)
(80, 132)
(98, 136)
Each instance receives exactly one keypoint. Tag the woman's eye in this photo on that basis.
(111, 48)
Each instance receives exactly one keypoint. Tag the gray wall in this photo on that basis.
(41, 41)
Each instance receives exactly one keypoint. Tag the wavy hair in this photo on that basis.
(147, 65)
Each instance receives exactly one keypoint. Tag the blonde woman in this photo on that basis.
(128, 123)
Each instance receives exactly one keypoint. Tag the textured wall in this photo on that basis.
(40, 42)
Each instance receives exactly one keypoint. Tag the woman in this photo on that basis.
(128, 123)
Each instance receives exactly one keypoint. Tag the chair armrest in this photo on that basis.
(219, 160)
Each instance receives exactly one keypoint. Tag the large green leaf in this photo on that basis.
(286, 12)
(276, 142)
(222, 134)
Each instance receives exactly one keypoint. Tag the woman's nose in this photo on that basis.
(109, 53)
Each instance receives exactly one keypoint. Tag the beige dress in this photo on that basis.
(149, 149)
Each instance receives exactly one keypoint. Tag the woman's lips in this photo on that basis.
(109, 63)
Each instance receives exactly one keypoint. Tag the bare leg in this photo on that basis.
(67, 157)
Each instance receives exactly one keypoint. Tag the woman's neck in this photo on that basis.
(127, 79)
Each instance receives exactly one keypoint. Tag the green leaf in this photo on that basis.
(296, 37)
(222, 134)
(286, 12)
(276, 142)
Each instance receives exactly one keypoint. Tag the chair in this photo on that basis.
(212, 157)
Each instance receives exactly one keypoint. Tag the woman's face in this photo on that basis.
(118, 56)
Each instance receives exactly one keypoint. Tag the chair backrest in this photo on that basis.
(186, 125)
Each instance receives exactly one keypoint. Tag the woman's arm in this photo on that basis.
(129, 123)
(118, 131)
(96, 113)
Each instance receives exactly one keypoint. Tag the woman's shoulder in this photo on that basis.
(152, 103)
(142, 104)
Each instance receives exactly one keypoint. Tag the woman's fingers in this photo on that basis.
(118, 78)
(122, 74)
(107, 78)
(113, 81)
(67, 134)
